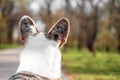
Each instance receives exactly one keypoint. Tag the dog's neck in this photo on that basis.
(41, 56)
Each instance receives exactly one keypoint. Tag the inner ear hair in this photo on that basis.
(60, 20)
(27, 27)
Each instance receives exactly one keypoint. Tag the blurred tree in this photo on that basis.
(92, 34)
(6, 10)
(114, 18)
(11, 16)
(46, 14)
(117, 22)
(3, 30)
(89, 25)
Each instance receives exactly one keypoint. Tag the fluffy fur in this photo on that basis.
(41, 56)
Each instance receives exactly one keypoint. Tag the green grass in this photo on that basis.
(7, 46)
(105, 66)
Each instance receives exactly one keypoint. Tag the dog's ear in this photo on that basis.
(27, 27)
(60, 31)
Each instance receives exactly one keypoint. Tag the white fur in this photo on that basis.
(33, 29)
(41, 56)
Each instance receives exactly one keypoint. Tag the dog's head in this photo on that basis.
(58, 34)
(41, 48)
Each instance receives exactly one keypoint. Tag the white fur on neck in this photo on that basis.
(41, 56)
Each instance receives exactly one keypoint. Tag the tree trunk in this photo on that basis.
(91, 41)
(119, 42)
(10, 33)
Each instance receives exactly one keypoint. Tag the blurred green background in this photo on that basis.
(93, 48)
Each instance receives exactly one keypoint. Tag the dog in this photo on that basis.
(41, 57)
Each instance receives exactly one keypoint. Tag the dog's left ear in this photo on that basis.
(60, 31)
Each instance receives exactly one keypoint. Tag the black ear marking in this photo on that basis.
(55, 37)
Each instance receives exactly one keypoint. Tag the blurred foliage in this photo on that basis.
(107, 41)
(97, 28)
(3, 29)
(8, 46)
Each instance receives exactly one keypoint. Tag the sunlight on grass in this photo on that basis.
(7, 46)
(105, 66)
(95, 77)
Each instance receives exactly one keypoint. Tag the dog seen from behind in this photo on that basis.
(41, 57)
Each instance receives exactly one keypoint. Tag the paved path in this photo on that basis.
(8, 62)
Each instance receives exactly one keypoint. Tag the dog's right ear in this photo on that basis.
(27, 27)
(60, 31)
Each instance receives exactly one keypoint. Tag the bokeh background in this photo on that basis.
(93, 48)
